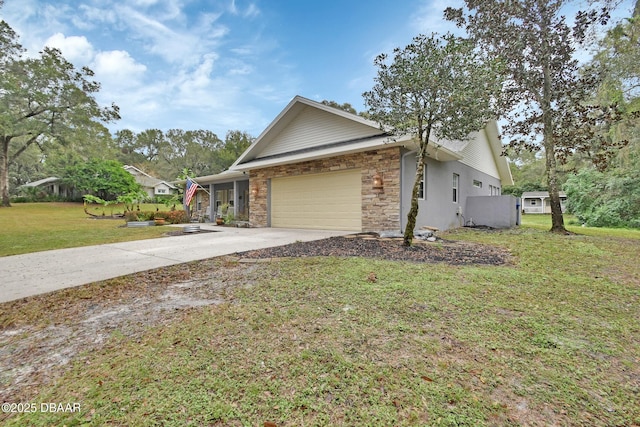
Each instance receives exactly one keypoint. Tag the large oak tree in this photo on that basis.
(545, 92)
(436, 87)
(42, 99)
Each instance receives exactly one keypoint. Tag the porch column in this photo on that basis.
(235, 199)
(212, 212)
(214, 203)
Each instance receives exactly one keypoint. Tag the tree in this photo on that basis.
(165, 154)
(151, 144)
(435, 86)
(235, 143)
(194, 150)
(544, 95)
(105, 179)
(42, 99)
(605, 199)
(126, 145)
(345, 107)
(612, 197)
(617, 58)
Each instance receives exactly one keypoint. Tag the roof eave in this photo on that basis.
(226, 176)
(502, 163)
(321, 153)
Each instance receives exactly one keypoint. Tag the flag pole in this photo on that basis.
(204, 189)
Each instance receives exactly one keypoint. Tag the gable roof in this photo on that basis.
(539, 194)
(145, 179)
(308, 130)
(41, 182)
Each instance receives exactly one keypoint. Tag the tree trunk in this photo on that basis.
(413, 212)
(4, 172)
(557, 221)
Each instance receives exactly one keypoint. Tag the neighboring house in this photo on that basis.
(539, 202)
(152, 186)
(51, 186)
(316, 166)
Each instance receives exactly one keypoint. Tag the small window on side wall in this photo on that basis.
(456, 180)
(422, 191)
(477, 184)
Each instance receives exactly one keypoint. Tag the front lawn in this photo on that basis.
(550, 340)
(571, 223)
(34, 227)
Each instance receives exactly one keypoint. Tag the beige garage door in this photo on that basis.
(330, 201)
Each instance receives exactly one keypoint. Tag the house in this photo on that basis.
(319, 167)
(539, 202)
(152, 186)
(51, 186)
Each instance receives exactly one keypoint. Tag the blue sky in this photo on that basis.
(222, 64)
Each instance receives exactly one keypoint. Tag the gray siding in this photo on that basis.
(312, 128)
(478, 154)
(438, 209)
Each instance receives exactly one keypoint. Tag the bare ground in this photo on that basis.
(40, 336)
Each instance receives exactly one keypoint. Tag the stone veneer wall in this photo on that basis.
(380, 209)
(205, 199)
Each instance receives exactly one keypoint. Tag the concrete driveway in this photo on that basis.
(41, 272)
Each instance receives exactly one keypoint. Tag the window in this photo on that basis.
(494, 191)
(456, 180)
(477, 184)
(422, 191)
(161, 191)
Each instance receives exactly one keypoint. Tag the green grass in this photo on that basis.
(34, 227)
(550, 340)
(543, 222)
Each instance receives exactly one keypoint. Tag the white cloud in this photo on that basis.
(250, 12)
(232, 8)
(93, 16)
(117, 68)
(429, 17)
(171, 42)
(75, 49)
(144, 3)
(239, 68)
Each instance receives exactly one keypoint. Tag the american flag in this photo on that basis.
(189, 191)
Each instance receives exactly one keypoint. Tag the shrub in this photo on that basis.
(173, 217)
(130, 216)
(604, 200)
(139, 216)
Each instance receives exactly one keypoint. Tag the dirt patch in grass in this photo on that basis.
(40, 335)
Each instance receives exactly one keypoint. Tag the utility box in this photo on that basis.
(493, 211)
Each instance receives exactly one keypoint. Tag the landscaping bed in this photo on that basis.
(369, 246)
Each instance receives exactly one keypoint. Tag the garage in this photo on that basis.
(330, 201)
